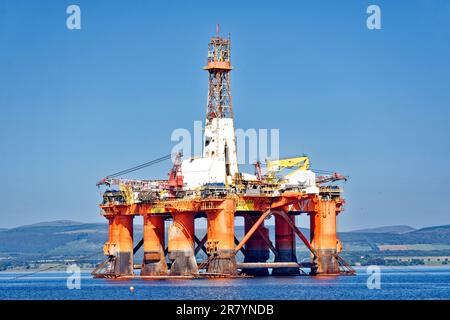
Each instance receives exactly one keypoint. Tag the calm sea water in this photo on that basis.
(396, 283)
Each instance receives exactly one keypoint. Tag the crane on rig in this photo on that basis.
(301, 177)
(276, 166)
(335, 176)
(144, 188)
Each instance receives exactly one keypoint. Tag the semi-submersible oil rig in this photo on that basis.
(212, 187)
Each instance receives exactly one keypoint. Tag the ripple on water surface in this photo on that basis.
(396, 283)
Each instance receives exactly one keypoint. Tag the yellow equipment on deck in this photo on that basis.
(127, 192)
(276, 166)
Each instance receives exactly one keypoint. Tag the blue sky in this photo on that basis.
(373, 104)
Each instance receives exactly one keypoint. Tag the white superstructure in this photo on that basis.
(220, 141)
(304, 180)
(201, 171)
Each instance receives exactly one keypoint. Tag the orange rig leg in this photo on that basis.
(181, 245)
(120, 244)
(256, 248)
(220, 235)
(324, 239)
(285, 246)
(154, 262)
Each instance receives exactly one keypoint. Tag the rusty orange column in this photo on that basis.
(120, 245)
(324, 238)
(154, 262)
(256, 248)
(285, 246)
(181, 244)
(220, 235)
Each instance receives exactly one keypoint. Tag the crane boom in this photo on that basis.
(275, 166)
(145, 184)
(135, 184)
(335, 176)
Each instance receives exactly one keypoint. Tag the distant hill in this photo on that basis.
(439, 233)
(56, 223)
(59, 240)
(41, 238)
(444, 229)
(388, 229)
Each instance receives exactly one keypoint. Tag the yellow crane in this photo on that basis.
(276, 166)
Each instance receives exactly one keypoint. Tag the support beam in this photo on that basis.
(256, 248)
(297, 231)
(181, 245)
(286, 247)
(138, 246)
(324, 239)
(236, 242)
(252, 230)
(154, 261)
(265, 265)
(220, 243)
(119, 247)
(200, 244)
(265, 238)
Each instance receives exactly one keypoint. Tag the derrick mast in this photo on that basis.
(219, 137)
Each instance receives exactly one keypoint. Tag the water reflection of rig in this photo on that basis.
(212, 187)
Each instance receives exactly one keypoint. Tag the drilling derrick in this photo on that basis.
(212, 187)
(219, 67)
(219, 127)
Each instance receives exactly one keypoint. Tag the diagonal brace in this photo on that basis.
(252, 230)
(236, 242)
(138, 246)
(200, 244)
(266, 240)
(297, 231)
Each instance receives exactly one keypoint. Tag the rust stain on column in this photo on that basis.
(154, 262)
(120, 244)
(181, 244)
(220, 243)
(324, 238)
